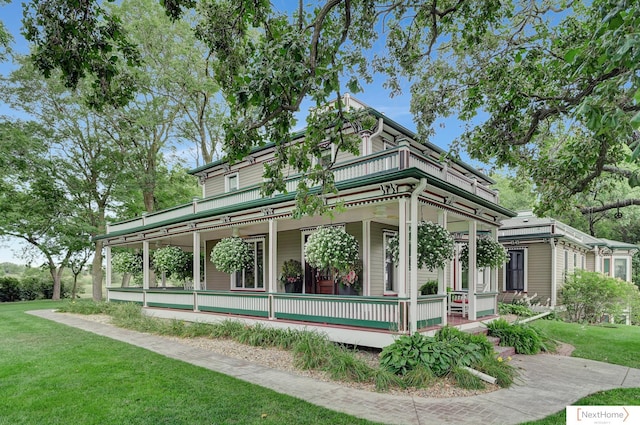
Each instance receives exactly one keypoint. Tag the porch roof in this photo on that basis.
(343, 185)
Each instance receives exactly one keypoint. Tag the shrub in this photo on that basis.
(466, 380)
(429, 288)
(588, 295)
(504, 373)
(525, 339)
(9, 289)
(517, 309)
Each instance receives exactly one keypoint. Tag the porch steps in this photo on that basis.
(500, 351)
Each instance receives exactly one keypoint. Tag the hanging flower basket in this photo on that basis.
(435, 246)
(231, 255)
(173, 261)
(331, 248)
(127, 262)
(489, 253)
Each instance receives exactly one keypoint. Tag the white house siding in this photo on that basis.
(591, 261)
(539, 270)
(377, 260)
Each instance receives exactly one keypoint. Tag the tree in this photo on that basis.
(34, 207)
(556, 79)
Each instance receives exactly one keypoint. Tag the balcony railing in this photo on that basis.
(390, 160)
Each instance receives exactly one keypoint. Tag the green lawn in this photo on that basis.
(617, 345)
(54, 374)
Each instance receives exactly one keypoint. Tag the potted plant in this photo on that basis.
(231, 255)
(489, 253)
(351, 283)
(332, 251)
(435, 246)
(429, 288)
(291, 276)
(173, 262)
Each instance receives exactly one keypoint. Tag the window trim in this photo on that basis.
(626, 267)
(227, 177)
(264, 270)
(324, 146)
(386, 235)
(525, 267)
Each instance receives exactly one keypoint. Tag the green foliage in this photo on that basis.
(439, 354)
(429, 288)
(525, 339)
(517, 309)
(231, 255)
(466, 380)
(489, 253)
(418, 377)
(174, 262)
(127, 262)
(28, 288)
(503, 371)
(332, 248)
(86, 307)
(435, 246)
(588, 295)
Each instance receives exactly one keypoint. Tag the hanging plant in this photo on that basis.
(173, 262)
(489, 253)
(332, 248)
(435, 246)
(231, 255)
(127, 262)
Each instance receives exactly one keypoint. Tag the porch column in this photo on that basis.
(473, 272)
(493, 287)
(402, 248)
(442, 273)
(107, 259)
(145, 265)
(273, 256)
(554, 275)
(196, 261)
(597, 260)
(366, 254)
(413, 251)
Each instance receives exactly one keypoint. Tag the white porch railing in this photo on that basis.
(132, 295)
(380, 162)
(245, 303)
(169, 299)
(430, 308)
(366, 312)
(486, 304)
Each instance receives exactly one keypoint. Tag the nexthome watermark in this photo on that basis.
(603, 415)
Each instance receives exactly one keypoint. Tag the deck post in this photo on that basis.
(473, 273)
(402, 248)
(145, 265)
(196, 261)
(108, 270)
(442, 273)
(366, 253)
(413, 251)
(494, 274)
(273, 263)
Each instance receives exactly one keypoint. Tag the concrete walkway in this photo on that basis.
(548, 383)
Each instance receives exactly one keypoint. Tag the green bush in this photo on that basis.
(9, 289)
(28, 288)
(439, 354)
(517, 309)
(525, 339)
(588, 295)
(429, 288)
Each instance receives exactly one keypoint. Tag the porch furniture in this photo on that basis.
(458, 302)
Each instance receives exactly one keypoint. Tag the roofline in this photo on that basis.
(350, 184)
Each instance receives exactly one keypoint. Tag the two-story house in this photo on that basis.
(396, 182)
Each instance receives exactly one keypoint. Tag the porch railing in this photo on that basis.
(390, 160)
(430, 310)
(486, 304)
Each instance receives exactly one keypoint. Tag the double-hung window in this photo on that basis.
(252, 276)
(231, 182)
(515, 273)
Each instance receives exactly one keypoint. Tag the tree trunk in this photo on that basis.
(56, 276)
(96, 272)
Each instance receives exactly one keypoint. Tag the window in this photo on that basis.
(251, 277)
(606, 269)
(327, 153)
(583, 261)
(575, 260)
(620, 268)
(231, 182)
(566, 260)
(514, 271)
(390, 269)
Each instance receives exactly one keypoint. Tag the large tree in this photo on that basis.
(556, 80)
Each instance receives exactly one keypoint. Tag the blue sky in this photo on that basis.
(374, 95)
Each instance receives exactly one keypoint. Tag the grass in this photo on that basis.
(54, 374)
(617, 344)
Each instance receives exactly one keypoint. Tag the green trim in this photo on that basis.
(348, 184)
(352, 299)
(337, 321)
(209, 293)
(483, 313)
(126, 301)
(168, 305)
(429, 322)
(258, 313)
(131, 289)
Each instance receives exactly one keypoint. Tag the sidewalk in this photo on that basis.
(547, 384)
